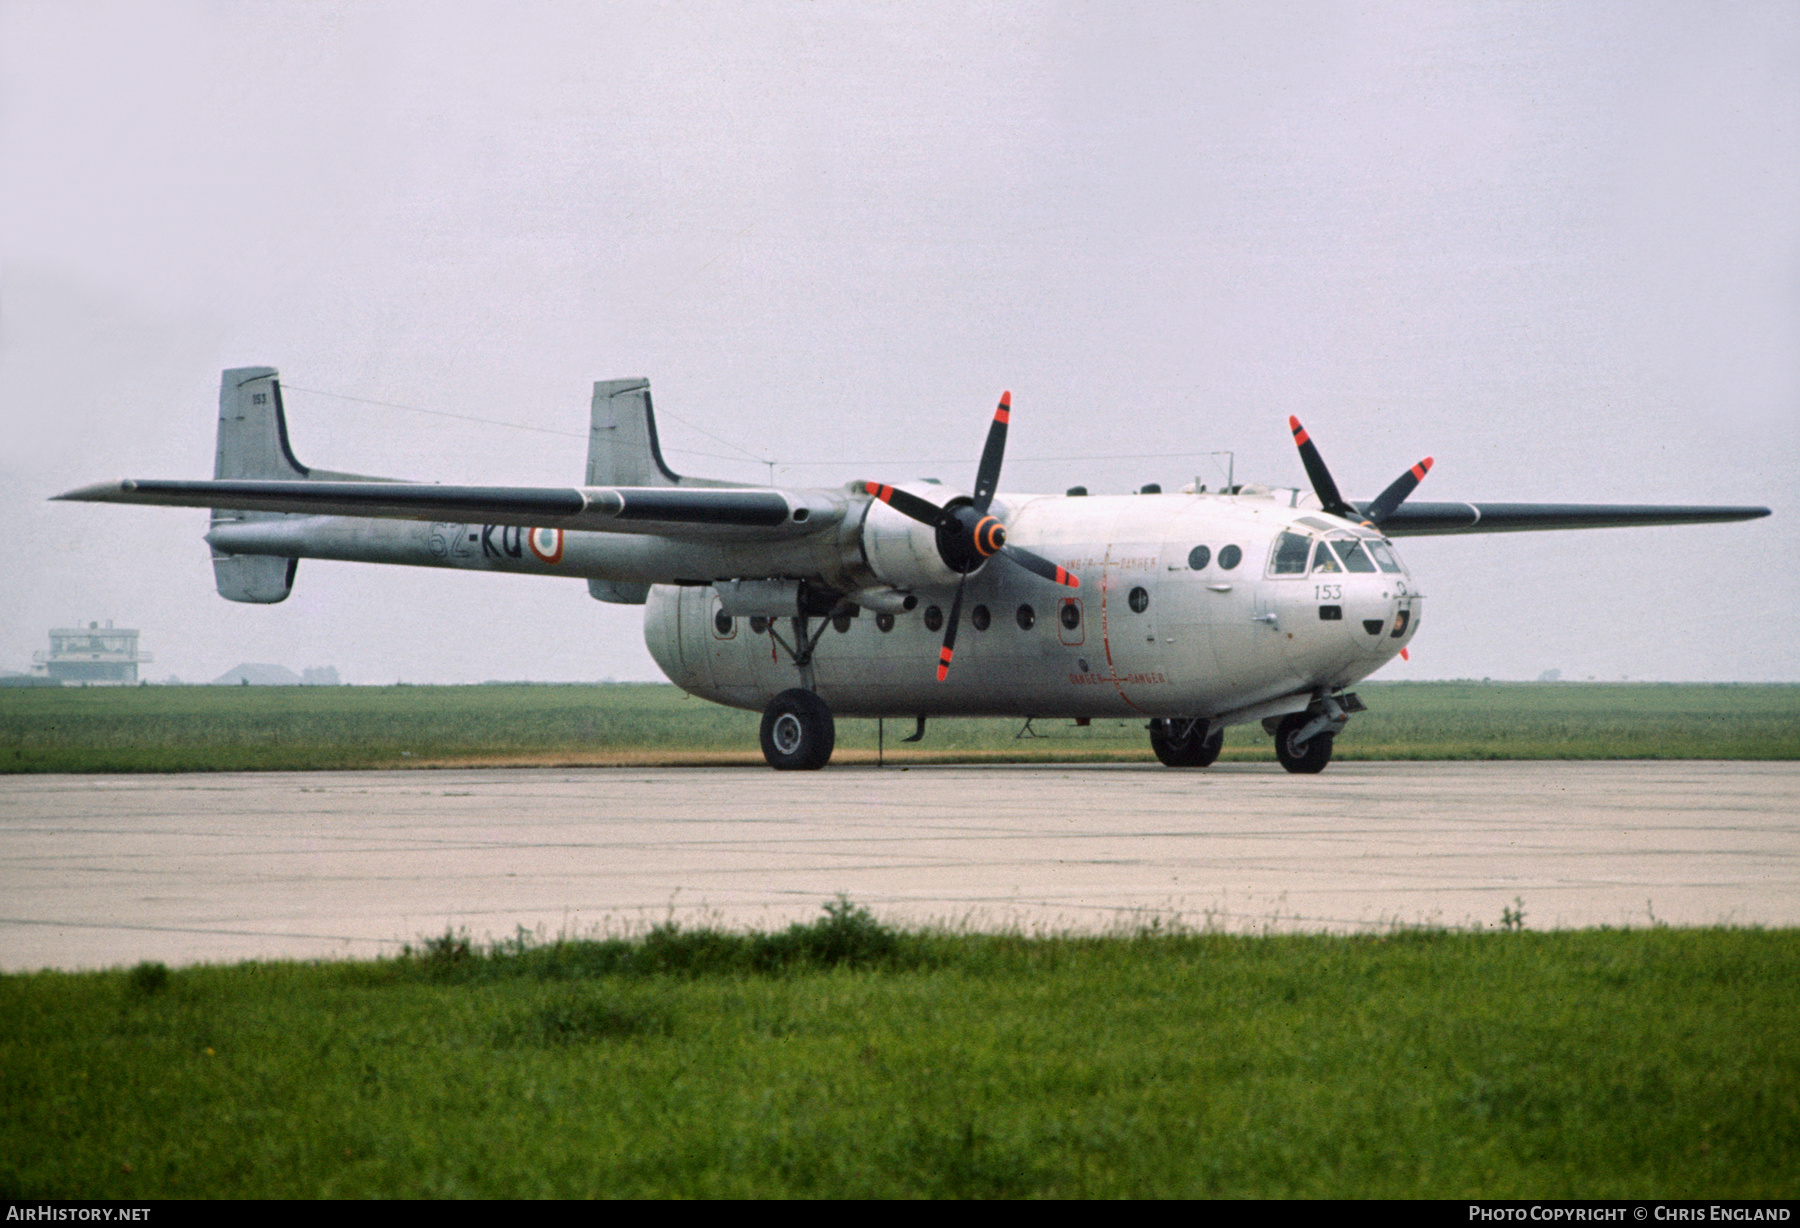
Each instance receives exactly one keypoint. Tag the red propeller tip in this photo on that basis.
(1006, 399)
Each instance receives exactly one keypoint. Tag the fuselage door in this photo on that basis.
(1130, 610)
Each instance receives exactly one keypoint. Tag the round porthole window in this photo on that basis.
(721, 622)
(1230, 557)
(884, 621)
(1071, 615)
(1139, 599)
(979, 618)
(1199, 557)
(934, 618)
(1027, 618)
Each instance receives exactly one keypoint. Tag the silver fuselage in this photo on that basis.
(1146, 634)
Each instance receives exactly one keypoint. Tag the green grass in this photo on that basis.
(173, 729)
(846, 1059)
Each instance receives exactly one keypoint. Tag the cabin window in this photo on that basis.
(1200, 556)
(1404, 617)
(884, 622)
(1291, 552)
(1324, 560)
(758, 624)
(1071, 614)
(1331, 613)
(722, 622)
(1027, 618)
(979, 617)
(934, 618)
(1230, 557)
(1139, 599)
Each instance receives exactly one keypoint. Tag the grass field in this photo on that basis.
(846, 1059)
(172, 729)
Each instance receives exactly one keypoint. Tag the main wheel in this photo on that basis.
(797, 732)
(1309, 756)
(1185, 743)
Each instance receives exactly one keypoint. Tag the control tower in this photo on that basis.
(91, 656)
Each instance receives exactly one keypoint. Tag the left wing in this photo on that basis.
(708, 513)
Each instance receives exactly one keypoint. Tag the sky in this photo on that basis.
(1554, 246)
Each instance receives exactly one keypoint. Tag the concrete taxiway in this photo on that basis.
(106, 870)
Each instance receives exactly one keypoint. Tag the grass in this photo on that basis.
(173, 729)
(848, 1059)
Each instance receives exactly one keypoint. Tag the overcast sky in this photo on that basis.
(1556, 247)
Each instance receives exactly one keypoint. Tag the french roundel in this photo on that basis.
(547, 544)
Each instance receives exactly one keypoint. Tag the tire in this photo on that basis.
(798, 733)
(1307, 757)
(1199, 748)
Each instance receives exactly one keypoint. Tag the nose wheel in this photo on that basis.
(1296, 756)
(798, 733)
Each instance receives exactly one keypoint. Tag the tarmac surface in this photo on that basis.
(109, 870)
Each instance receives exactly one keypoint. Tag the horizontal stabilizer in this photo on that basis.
(1427, 519)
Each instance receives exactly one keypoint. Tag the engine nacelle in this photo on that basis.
(901, 551)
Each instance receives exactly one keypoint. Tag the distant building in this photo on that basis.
(91, 656)
(324, 675)
(257, 675)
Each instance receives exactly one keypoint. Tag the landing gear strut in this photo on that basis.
(1180, 743)
(798, 733)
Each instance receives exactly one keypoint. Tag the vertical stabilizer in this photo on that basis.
(623, 451)
(253, 443)
(622, 445)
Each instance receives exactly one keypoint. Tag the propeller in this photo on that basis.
(1327, 490)
(966, 535)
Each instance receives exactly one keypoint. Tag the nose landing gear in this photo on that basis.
(1302, 754)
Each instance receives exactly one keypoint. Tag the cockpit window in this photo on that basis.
(1355, 557)
(1384, 555)
(1324, 560)
(1313, 522)
(1291, 553)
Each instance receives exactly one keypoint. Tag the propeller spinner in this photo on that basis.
(1334, 503)
(967, 536)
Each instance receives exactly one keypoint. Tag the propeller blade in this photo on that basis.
(1395, 495)
(949, 649)
(1318, 474)
(1037, 564)
(921, 510)
(987, 476)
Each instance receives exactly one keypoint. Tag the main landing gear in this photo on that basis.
(1180, 743)
(798, 733)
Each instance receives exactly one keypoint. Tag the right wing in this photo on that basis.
(1433, 519)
